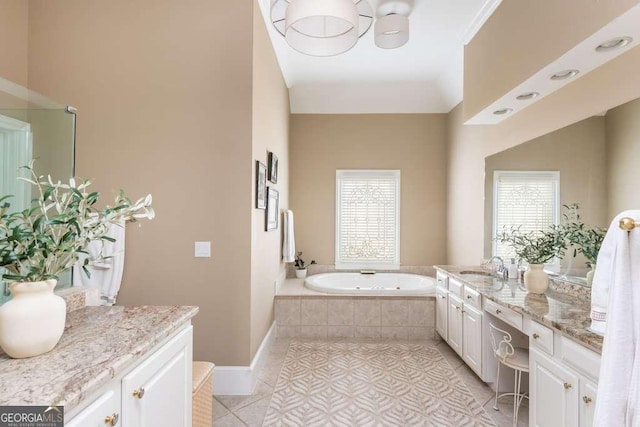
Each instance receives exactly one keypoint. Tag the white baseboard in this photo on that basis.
(241, 380)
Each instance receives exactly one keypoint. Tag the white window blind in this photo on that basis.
(367, 219)
(529, 200)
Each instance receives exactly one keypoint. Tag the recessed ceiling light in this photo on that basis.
(613, 44)
(503, 111)
(527, 96)
(566, 74)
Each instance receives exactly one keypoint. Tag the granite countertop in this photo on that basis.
(566, 312)
(98, 343)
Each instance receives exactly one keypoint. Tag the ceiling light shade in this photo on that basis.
(392, 31)
(322, 28)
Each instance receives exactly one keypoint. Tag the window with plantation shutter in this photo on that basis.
(368, 219)
(526, 199)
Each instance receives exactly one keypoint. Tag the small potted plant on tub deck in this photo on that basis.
(42, 241)
(301, 266)
(536, 248)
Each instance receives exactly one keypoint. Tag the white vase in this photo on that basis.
(535, 279)
(32, 322)
(590, 275)
(301, 274)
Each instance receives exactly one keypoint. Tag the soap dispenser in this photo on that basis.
(513, 269)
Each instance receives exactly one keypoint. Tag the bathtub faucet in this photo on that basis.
(367, 272)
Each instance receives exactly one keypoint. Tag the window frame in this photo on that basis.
(497, 174)
(367, 174)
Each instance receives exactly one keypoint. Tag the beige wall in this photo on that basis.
(578, 152)
(164, 98)
(270, 133)
(413, 143)
(623, 139)
(522, 37)
(592, 94)
(14, 23)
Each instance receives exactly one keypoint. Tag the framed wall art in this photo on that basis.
(273, 168)
(261, 185)
(273, 197)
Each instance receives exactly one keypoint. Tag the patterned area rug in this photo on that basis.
(370, 384)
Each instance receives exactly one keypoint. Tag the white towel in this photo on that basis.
(618, 274)
(106, 274)
(289, 240)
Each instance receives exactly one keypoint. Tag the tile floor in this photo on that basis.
(250, 410)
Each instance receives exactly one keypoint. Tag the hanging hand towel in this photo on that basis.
(289, 241)
(618, 275)
(105, 274)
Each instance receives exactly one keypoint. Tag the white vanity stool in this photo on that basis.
(512, 357)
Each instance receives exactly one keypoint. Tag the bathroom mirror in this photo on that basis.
(33, 127)
(596, 161)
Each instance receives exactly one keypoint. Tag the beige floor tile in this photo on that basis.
(236, 402)
(502, 416)
(252, 415)
(480, 390)
(451, 356)
(219, 410)
(228, 421)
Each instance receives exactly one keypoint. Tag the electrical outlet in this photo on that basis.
(203, 250)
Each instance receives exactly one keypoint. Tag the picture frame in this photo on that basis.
(261, 185)
(272, 212)
(273, 167)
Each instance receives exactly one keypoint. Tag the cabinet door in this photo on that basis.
(441, 312)
(454, 327)
(158, 392)
(104, 411)
(588, 392)
(472, 338)
(554, 393)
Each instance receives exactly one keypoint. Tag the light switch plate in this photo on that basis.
(203, 250)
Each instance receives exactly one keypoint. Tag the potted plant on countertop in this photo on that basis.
(301, 266)
(39, 243)
(586, 240)
(536, 248)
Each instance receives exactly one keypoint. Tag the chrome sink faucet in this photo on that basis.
(500, 269)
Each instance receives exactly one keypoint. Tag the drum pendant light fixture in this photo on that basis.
(321, 27)
(391, 31)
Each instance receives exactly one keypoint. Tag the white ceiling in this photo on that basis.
(424, 76)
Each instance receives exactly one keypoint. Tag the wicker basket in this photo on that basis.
(202, 394)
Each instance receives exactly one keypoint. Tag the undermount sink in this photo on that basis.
(478, 275)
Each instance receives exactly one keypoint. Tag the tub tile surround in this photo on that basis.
(563, 307)
(86, 357)
(301, 312)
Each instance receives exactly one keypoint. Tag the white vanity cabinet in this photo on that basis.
(459, 320)
(156, 391)
(562, 379)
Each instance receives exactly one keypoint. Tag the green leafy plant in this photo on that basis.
(46, 239)
(536, 247)
(586, 240)
(299, 263)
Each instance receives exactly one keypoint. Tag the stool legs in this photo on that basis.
(495, 402)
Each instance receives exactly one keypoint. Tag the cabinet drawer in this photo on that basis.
(503, 313)
(472, 297)
(104, 411)
(580, 358)
(456, 287)
(443, 280)
(541, 337)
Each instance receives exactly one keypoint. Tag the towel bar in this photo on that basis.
(629, 224)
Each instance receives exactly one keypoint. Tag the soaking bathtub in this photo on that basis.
(372, 284)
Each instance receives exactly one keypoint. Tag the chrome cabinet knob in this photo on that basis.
(586, 399)
(139, 393)
(535, 336)
(468, 296)
(567, 386)
(112, 419)
(498, 311)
